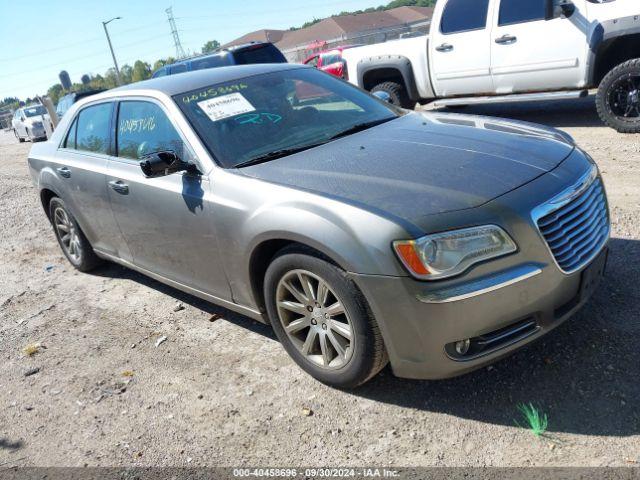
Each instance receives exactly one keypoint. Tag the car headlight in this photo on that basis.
(447, 254)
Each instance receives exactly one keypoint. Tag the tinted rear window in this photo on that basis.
(210, 62)
(464, 15)
(178, 68)
(259, 54)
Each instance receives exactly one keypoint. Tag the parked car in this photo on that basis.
(249, 53)
(69, 99)
(485, 51)
(362, 233)
(28, 123)
(330, 61)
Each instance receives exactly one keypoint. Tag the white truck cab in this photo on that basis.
(481, 51)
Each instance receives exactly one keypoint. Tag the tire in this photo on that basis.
(397, 92)
(20, 139)
(364, 355)
(29, 135)
(611, 99)
(76, 248)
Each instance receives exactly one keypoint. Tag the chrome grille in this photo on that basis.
(576, 231)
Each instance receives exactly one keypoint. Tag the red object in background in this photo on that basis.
(330, 61)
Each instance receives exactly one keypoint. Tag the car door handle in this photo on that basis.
(506, 40)
(64, 172)
(445, 47)
(119, 186)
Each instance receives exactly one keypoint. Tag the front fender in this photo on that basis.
(250, 212)
(391, 62)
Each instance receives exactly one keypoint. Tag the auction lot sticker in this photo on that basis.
(226, 106)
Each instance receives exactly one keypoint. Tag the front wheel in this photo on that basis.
(618, 98)
(18, 137)
(397, 92)
(322, 320)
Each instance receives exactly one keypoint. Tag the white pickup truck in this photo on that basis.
(485, 51)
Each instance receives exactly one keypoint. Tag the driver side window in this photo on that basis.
(144, 128)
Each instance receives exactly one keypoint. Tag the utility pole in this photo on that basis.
(113, 55)
(174, 31)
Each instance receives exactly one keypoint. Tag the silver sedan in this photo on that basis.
(362, 233)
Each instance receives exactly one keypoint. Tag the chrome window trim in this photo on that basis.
(481, 286)
(562, 199)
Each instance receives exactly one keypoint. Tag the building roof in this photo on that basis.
(339, 26)
(264, 35)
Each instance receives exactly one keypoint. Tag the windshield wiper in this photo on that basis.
(278, 154)
(359, 127)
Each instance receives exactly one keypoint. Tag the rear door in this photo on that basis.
(460, 52)
(529, 53)
(167, 221)
(81, 167)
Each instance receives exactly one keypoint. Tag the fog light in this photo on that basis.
(462, 347)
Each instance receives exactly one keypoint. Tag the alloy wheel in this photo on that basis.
(315, 319)
(624, 97)
(68, 234)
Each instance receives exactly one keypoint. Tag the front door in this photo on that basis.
(460, 53)
(168, 221)
(529, 53)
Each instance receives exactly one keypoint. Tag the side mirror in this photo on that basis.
(557, 8)
(161, 164)
(384, 96)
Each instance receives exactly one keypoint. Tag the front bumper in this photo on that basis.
(420, 330)
(501, 305)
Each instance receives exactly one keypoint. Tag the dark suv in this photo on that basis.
(69, 99)
(255, 52)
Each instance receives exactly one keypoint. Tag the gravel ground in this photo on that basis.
(221, 391)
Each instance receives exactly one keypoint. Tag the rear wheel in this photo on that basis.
(72, 240)
(322, 320)
(618, 98)
(397, 92)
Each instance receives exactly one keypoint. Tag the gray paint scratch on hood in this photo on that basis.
(423, 164)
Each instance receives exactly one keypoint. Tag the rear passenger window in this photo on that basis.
(519, 11)
(178, 68)
(464, 15)
(93, 128)
(143, 128)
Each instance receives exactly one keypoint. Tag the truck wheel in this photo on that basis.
(397, 92)
(20, 139)
(322, 320)
(618, 98)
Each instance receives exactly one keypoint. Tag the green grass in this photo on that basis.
(535, 420)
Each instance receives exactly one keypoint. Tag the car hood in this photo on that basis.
(423, 163)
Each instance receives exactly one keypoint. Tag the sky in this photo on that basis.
(39, 38)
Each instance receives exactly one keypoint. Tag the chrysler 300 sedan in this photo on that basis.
(362, 233)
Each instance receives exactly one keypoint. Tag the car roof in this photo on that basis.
(188, 81)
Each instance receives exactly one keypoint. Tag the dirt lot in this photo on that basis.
(225, 392)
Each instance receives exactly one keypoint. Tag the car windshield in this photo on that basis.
(262, 117)
(35, 111)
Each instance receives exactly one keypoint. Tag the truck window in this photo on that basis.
(464, 15)
(519, 11)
